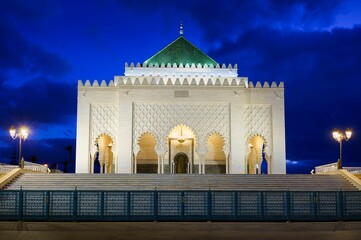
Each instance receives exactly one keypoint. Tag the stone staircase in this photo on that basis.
(238, 182)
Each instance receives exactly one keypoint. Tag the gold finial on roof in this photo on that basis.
(181, 28)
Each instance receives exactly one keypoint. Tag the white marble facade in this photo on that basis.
(175, 118)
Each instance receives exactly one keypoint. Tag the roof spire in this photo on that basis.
(181, 28)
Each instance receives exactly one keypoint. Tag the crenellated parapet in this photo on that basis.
(95, 83)
(175, 81)
(181, 65)
(180, 70)
(179, 81)
(265, 85)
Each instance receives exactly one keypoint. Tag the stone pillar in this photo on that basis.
(203, 165)
(162, 159)
(201, 162)
(227, 162)
(159, 164)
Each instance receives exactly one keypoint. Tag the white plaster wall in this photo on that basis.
(275, 98)
(126, 95)
(86, 97)
(125, 151)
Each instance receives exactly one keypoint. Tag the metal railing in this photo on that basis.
(179, 205)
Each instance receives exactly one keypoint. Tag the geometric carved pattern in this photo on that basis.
(160, 118)
(257, 121)
(103, 120)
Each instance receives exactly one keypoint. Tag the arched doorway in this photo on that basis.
(181, 163)
(147, 158)
(257, 160)
(103, 161)
(181, 140)
(215, 159)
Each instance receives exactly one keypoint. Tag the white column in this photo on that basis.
(135, 164)
(162, 158)
(159, 165)
(237, 135)
(82, 163)
(227, 163)
(124, 145)
(203, 165)
(200, 164)
(278, 153)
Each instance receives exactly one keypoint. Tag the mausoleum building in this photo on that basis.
(180, 111)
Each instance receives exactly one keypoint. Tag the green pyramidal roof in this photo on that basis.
(181, 51)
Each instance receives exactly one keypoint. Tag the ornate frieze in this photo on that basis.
(257, 121)
(103, 120)
(160, 118)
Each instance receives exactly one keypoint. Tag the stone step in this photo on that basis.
(282, 182)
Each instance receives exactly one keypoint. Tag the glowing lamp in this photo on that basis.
(12, 132)
(348, 133)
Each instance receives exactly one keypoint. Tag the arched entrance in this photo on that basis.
(215, 159)
(147, 159)
(181, 163)
(257, 162)
(103, 160)
(181, 140)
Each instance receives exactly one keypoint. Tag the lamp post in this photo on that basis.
(339, 136)
(22, 134)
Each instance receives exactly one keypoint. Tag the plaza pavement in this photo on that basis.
(179, 230)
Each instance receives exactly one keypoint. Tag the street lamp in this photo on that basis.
(22, 134)
(339, 136)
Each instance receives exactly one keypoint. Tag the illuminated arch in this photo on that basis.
(104, 145)
(256, 155)
(215, 157)
(147, 156)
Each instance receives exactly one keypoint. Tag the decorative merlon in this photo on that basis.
(145, 65)
(179, 81)
(174, 70)
(265, 85)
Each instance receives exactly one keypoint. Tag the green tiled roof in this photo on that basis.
(181, 51)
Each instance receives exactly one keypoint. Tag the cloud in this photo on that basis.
(322, 81)
(38, 101)
(226, 20)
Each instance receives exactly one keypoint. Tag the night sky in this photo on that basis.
(314, 47)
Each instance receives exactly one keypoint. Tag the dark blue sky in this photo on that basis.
(313, 46)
